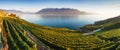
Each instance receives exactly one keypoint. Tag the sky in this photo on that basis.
(96, 6)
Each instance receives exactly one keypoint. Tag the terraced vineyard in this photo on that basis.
(17, 38)
(19, 34)
(57, 39)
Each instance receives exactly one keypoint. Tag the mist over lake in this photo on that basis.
(63, 21)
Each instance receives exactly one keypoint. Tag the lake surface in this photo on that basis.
(63, 21)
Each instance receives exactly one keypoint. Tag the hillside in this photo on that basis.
(60, 11)
(60, 39)
(19, 34)
(100, 24)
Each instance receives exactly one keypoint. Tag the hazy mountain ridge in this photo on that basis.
(16, 11)
(50, 11)
(60, 11)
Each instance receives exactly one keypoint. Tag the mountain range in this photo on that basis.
(16, 11)
(51, 11)
(60, 11)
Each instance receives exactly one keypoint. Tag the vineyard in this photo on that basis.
(18, 34)
(57, 39)
(17, 38)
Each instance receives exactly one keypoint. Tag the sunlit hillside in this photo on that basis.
(19, 34)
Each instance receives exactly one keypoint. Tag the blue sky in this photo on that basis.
(98, 6)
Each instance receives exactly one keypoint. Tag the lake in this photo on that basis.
(63, 21)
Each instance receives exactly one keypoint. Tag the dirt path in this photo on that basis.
(0, 29)
(5, 45)
(35, 40)
(0, 34)
(92, 32)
